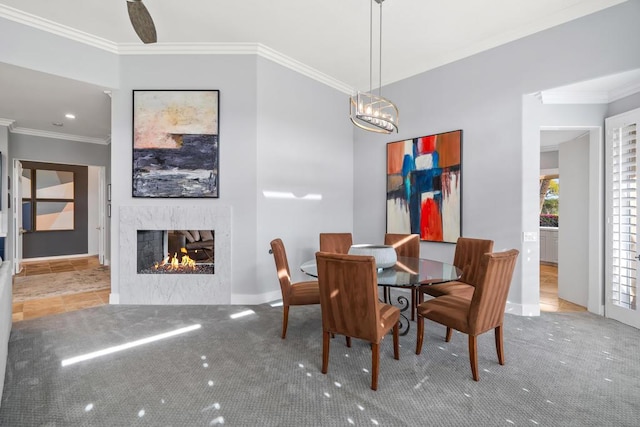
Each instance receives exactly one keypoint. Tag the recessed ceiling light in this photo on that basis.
(57, 124)
(70, 116)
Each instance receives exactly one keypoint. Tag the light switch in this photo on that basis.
(530, 236)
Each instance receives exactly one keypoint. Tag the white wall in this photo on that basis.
(573, 230)
(549, 160)
(235, 77)
(483, 96)
(304, 148)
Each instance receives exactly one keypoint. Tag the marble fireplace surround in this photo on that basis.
(175, 289)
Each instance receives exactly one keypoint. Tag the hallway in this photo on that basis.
(549, 300)
(40, 273)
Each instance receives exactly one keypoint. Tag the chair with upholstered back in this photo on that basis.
(467, 257)
(300, 293)
(337, 243)
(475, 316)
(350, 306)
(406, 245)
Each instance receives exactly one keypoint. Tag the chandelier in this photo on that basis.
(369, 111)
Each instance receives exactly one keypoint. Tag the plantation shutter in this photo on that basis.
(622, 209)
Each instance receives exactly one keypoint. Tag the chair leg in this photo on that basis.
(375, 362)
(447, 338)
(473, 356)
(325, 351)
(499, 344)
(285, 320)
(420, 322)
(396, 344)
(348, 342)
(414, 302)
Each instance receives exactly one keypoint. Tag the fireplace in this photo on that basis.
(175, 251)
(148, 229)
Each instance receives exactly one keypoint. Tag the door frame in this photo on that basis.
(595, 301)
(17, 216)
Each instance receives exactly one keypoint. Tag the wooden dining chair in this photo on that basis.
(475, 316)
(406, 245)
(337, 243)
(300, 293)
(350, 306)
(467, 257)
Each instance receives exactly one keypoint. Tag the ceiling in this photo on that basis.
(331, 37)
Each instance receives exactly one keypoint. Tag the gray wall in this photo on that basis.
(300, 154)
(61, 242)
(483, 96)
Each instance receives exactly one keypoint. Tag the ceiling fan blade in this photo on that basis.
(142, 21)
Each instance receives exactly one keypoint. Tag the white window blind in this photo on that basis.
(623, 216)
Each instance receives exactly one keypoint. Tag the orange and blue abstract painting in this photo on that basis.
(424, 193)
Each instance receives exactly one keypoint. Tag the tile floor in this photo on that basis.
(60, 304)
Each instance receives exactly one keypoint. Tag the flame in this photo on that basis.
(176, 263)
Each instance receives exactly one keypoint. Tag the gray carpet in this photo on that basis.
(561, 369)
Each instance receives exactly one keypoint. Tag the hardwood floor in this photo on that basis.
(549, 300)
(47, 306)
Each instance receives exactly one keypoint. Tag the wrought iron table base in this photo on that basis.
(404, 304)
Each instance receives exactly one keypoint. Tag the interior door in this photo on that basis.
(18, 231)
(622, 251)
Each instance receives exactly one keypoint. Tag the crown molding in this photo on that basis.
(545, 148)
(234, 49)
(288, 62)
(623, 92)
(57, 135)
(56, 28)
(173, 48)
(587, 97)
(7, 122)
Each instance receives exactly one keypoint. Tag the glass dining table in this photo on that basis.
(408, 273)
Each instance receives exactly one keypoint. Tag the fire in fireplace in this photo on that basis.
(176, 252)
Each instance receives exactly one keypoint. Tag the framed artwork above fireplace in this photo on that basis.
(175, 143)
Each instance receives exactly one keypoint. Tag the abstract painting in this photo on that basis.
(55, 193)
(175, 143)
(424, 193)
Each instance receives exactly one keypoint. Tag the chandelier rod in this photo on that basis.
(380, 57)
(370, 47)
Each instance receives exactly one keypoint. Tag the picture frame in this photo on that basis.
(176, 143)
(424, 187)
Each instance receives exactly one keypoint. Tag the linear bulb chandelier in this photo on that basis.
(369, 111)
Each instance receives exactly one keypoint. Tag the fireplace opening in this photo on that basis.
(176, 252)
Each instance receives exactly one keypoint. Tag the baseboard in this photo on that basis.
(49, 258)
(114, 298)
(255, 299)
(522, 309)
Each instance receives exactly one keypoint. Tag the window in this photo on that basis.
(549, 200)
(48, 200)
